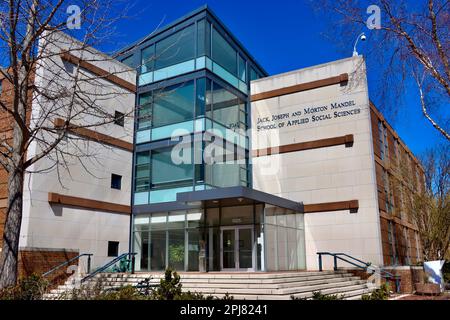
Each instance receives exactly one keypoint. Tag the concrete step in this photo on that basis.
(266, 285)
(288, 291)
(226, 280)
(248, 275)
(257, 286)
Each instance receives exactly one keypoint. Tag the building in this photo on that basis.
(327, 145)
(307, 176)
(82, 204)
(227, 168)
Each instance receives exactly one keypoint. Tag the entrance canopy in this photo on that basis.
(236, 196)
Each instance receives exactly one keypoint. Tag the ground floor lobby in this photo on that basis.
(235, 229)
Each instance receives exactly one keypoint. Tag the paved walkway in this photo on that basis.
(444, 296)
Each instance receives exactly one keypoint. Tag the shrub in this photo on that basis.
(317, 295)
(382, 293)
(169, 288)
(29, 288)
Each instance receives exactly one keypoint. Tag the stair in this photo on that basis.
(250, 286)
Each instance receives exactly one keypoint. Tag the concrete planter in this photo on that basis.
(428, 288)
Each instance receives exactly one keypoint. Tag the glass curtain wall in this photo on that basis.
(284, 239)
(270, 239)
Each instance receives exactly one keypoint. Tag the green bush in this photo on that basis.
(317, 295)
(169, 288)
(29, 288)
(382, 293)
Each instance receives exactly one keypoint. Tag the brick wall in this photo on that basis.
(39, 261)
(409, 276)
(390, 177)
(5, 135)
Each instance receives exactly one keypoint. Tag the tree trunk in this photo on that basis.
(11, 234)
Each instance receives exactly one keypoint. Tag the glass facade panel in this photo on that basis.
(228, 109)
(223, 53)
(242, 69)
(174, 104)
(166, 171)
(176, 249)
(236, 215)
(253, 74)
(231, 239)
(147, 59)
(176, 48)
(144, 111)
(203, 38)
(194, 238)
(157, 249)
(142, 174)
(284, 240)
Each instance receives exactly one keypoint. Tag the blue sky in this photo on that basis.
(282, 37)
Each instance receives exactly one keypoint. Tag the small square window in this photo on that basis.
(119, 118)
(116, 181)
(113, 248)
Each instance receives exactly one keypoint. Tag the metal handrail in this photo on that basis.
(365, 266)
(69, 261)
(109, 264)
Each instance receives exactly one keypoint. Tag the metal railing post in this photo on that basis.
(335, 263)
(320, 262)
(133, 260)
(89, 264)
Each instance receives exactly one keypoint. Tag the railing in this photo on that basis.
(122, 257)
(366, 266)
(69, 261)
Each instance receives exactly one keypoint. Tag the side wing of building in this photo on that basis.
(312, 143)
(77, 199)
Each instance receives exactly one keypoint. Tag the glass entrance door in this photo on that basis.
(236, 248)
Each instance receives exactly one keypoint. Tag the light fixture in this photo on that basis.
(361, 37)
(240, 199)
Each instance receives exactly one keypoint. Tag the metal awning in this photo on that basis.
(235, 196)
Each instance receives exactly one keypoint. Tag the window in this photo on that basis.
(142, 172)
(144, 111)
(1, 86)
(242, 69)
(113, 248)
(176, 48)
(147, 59)
(119, 118)
(129, 61)
(228, 109)
(165, 172)
(203, 38)
(381, 138)
(174, 104)
(223, 53)
(391, 239)
(253, 74)
(116, 181)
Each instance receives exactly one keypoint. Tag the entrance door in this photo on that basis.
(236, 248)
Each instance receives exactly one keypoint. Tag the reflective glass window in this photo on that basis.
(176, 48)
(166, 171)
(174, 104)
(223, 53)
(147, 59)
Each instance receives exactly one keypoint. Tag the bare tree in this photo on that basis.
(43, 88)
(429, 208)
(410, 49)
